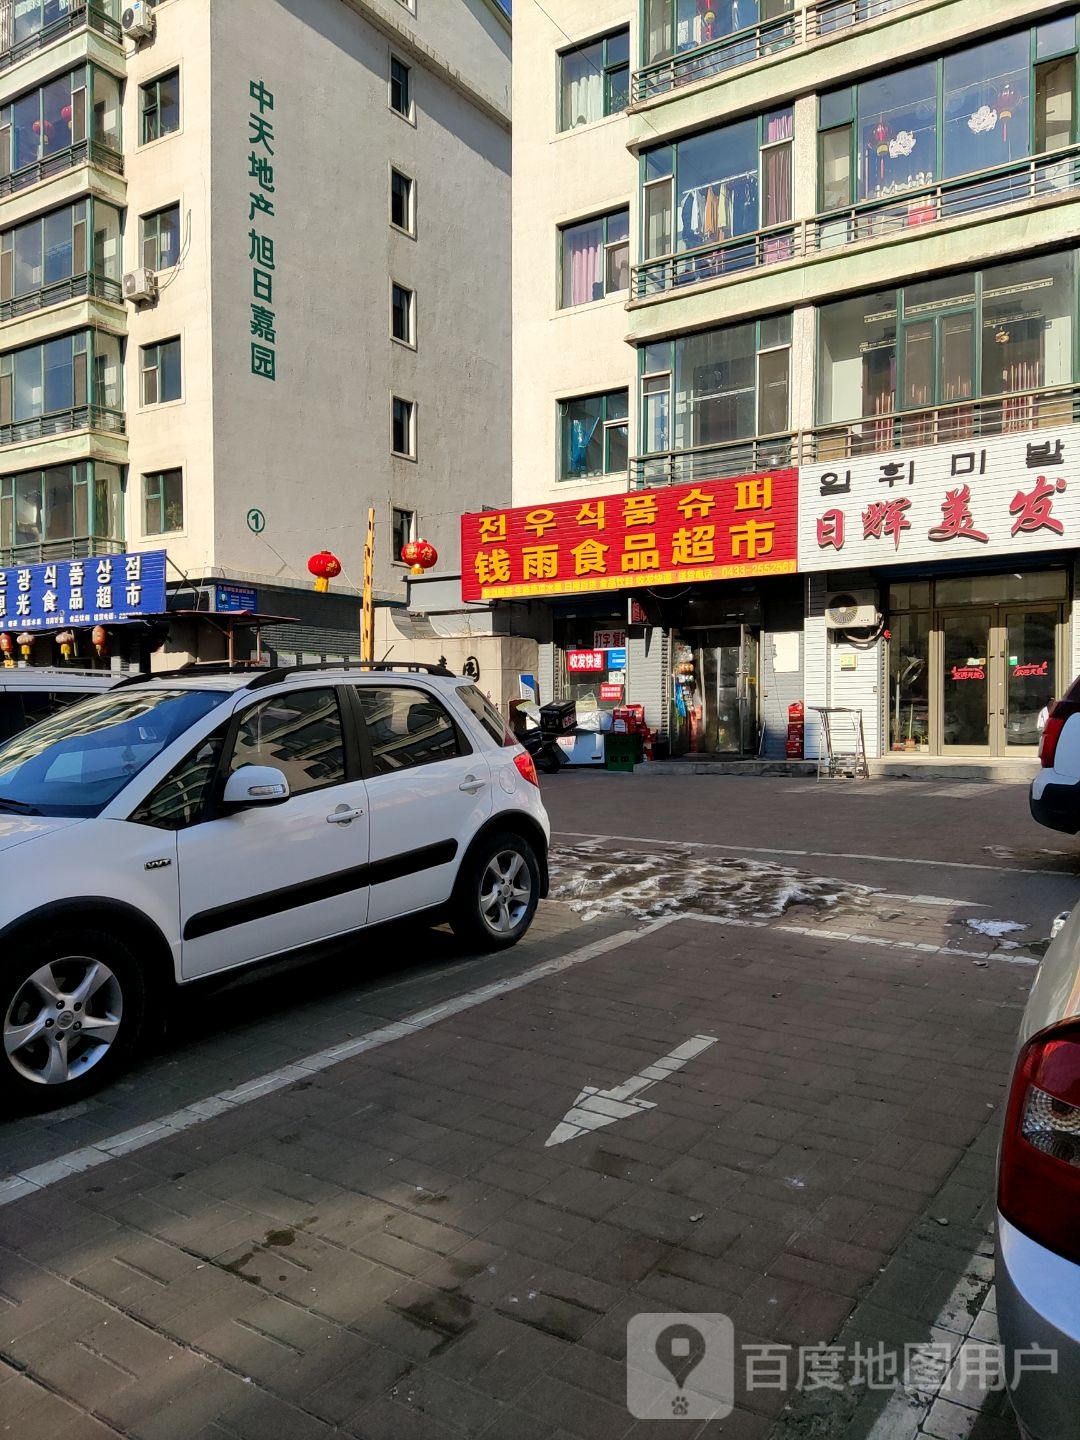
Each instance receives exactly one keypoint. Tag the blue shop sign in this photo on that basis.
(104, 590)
(616, 659)
(235, 598)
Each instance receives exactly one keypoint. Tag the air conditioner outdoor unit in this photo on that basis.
(140, 286)
(851, 611)
(137, 20)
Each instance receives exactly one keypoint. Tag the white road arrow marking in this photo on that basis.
(595, 1108)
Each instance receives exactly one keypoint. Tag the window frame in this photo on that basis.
(369, 770)
(410, 203)
(407, 310)
(607, 69)
(154, 107)
(404, 85)
(606, 424)
(395, 511)
(157, 369)
(409, 454)
(607, 246)
(161, 499)
(156, 216)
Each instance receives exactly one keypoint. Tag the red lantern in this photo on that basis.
(882, 136)
(7, 649)
(419, 555)
(99, 638)
(324, 566)
(1008, 100)
(65, 114)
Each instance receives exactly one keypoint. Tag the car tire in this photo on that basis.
(497, 892)
(49, 1056)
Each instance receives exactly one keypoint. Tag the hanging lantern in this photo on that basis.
(419, 555)
(99, 638)
(25, 642)
(1008, 100)
(66, 641)
(324, 566)
(707, 10)
(65, 114)
(882, 135)
(7, 649)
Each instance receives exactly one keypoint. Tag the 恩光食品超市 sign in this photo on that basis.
(712, 530)
(103, 590)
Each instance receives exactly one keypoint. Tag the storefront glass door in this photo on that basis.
(998, 671)
(1030, 648)
(966, 683)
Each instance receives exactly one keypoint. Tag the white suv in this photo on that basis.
(178, 828)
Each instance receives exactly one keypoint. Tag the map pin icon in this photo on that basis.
(680, 1349)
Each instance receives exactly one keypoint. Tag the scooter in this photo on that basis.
(548, 755)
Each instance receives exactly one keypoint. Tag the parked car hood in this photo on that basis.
(17, 829)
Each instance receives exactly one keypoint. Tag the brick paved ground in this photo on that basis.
(389, 1250)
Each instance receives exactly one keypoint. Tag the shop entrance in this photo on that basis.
(970, 673)
(715, 673)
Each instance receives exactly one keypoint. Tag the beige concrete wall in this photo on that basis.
(558, 178)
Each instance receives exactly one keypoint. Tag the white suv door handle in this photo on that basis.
(471, 784)
(343, 816)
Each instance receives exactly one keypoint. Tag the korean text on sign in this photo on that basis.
(98, 591)
(714, 530)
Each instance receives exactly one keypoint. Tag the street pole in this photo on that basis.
(367, 618)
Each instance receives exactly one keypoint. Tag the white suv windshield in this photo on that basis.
(76, 762)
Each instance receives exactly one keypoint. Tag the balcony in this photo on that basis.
(86, 152)
(76, 547)
(1040, 179)
(60, 422)
(713, 462)
(75, 287)
(1037, 409)
(80, 16)
(818, 20)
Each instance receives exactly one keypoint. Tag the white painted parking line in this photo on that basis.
(808, 854)
(39, 1177)
(595, 1108)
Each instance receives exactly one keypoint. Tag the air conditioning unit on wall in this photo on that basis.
(851, 610)
(137, 20)
(140, 286)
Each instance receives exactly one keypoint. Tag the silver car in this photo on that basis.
(1038, 1209)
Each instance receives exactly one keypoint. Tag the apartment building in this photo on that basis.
(796, 366)
(254, 277)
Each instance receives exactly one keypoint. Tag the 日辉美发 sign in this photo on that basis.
(995, 496)
(104, 590)
(712, 530)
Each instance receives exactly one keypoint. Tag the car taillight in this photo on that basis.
(524, 762)
(1039, 1179)
(1048, 744)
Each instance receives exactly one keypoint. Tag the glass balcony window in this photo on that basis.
(66, 253)
(28, 25)
(69, 383)
(46, 131)
(62, 512)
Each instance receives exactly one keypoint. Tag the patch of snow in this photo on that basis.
(995, 929)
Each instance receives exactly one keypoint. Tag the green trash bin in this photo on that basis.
(622, 752)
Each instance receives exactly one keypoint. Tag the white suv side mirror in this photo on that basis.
(255, 785)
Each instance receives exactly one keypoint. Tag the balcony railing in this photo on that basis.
(80, 16)
(76, 547)
(1040, 178)
(820, 19)
(59, 422)
(712, 462)
(710, 262)
(75, 287)
(1024, 410)
(85, 152)
(1037, 409)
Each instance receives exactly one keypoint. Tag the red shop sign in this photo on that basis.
(610, 692)
(586, 662)
(714, 530)
(968, 672)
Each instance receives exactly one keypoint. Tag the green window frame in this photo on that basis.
(594, 435)
(159, 107)
(594, 258)
(594, 79)
(1053, 74)
(160, 372)
(58, 504)
(159, 238)
(163, 501)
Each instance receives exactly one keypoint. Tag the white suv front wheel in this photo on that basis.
(497, 893)
(71, 1008)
